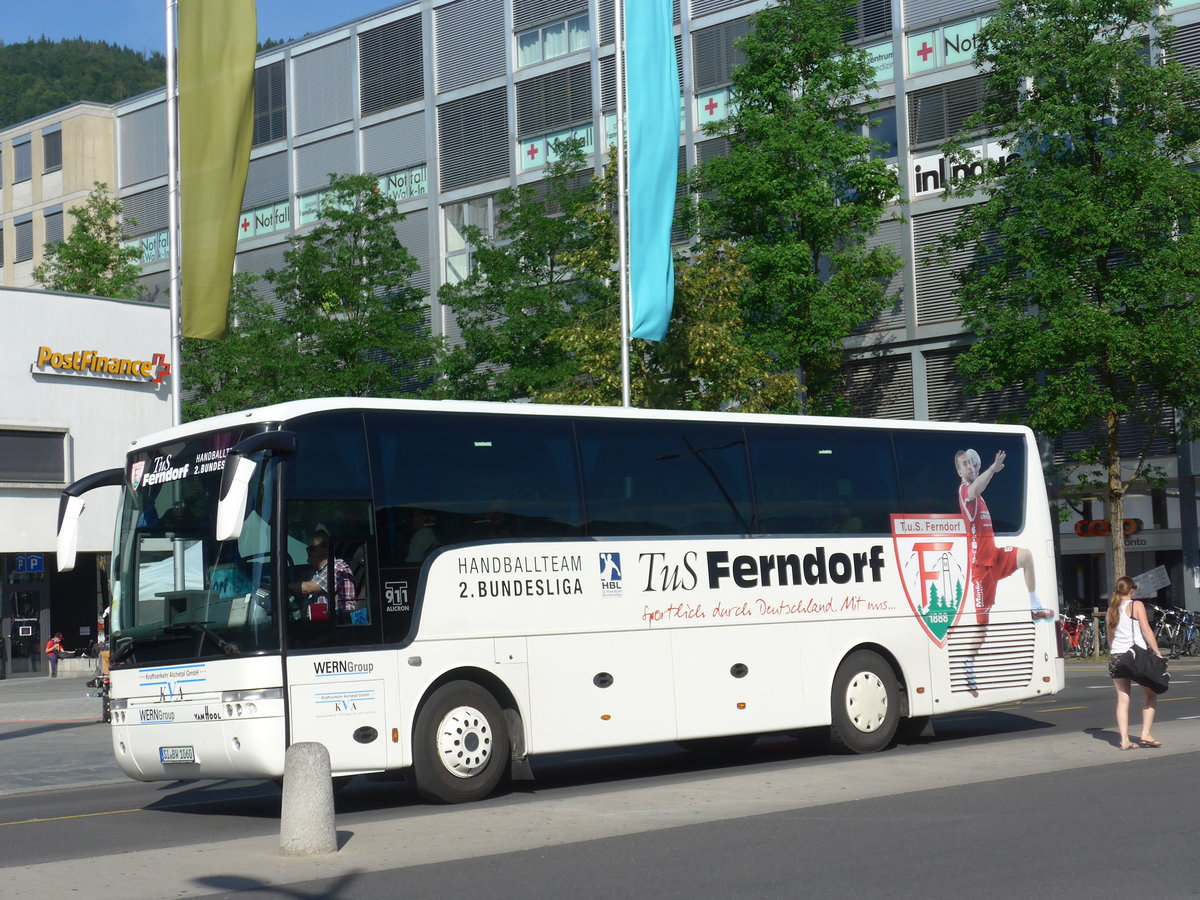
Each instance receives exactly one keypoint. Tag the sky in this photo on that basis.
(140, 24)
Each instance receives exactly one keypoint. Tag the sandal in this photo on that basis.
(1128, 746)
(1149, 742)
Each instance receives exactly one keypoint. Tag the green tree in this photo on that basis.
(703, 362)
(1084, 287)
(256, 363)
(349, 299)
(800, 191)
(540, 313)
(522, 287)
(94, 258)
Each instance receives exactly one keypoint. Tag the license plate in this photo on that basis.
(176, 755)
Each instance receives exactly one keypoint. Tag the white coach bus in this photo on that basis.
(451, 588)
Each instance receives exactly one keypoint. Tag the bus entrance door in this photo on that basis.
(338, 701)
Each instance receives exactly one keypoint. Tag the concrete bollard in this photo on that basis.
(306, 821)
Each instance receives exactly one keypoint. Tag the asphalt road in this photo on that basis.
(1013, 801)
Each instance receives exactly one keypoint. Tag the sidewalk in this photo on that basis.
(51, 735)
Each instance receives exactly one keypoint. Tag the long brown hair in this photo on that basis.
(1120, 594)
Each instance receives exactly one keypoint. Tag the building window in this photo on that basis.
(543, 149)
(550, 108)
(32, 457)
(391, 65)
(270, 104)
(936, 114)
(553, 40)
(23, 230)
(54, 225)
(715, 56)
(51, 151)
(459, 252)
(22, 162)
(871, 17)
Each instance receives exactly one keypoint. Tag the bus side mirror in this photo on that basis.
(235, 478)
(69, 511)
(70, 507)
(231, 507)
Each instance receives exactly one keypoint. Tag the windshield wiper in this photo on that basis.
(202, 627)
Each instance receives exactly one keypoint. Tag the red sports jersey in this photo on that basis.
(979, 526)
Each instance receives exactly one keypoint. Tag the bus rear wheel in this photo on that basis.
(460, 744)
(865, 703)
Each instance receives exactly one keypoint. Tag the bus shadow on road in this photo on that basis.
(980, 723)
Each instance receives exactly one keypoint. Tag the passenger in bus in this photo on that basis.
(313, 585)
(424, 539)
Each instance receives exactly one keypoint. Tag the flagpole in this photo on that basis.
(173, 216)
(622, 202)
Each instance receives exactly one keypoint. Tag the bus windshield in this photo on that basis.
(179, 594)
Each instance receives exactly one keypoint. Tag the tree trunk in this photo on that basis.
(1116, 498)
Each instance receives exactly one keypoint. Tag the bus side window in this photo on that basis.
(330, 598)
(823, 480)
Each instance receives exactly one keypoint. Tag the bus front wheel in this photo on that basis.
(865, 703)
(460, 744)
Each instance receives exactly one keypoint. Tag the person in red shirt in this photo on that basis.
(55, 652)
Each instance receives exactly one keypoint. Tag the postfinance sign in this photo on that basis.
(93, 364)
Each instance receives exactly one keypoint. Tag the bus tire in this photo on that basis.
(460, 744)
(865, 704)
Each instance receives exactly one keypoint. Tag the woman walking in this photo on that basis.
(1128, 625)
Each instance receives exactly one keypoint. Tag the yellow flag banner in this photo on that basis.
(217, 41)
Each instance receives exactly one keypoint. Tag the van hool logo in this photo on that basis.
(935, 569)
(610, 574)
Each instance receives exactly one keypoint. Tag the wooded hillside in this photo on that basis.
(37, 77)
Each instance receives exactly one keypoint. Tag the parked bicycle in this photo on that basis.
(1076, 634)
(1177, 631)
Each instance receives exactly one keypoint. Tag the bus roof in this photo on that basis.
(295, 409)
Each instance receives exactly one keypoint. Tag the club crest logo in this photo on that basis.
(135, 473)
(932, 558)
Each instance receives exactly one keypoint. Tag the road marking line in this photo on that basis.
(1061, 708)
(1170, 699)
(113, 812)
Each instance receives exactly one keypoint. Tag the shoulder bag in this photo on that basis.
(1146, 669)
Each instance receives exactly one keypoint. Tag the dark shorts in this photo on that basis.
(1115, 667)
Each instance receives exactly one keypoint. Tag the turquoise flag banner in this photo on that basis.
(652, 101)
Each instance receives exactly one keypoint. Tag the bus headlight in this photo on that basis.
(238, 703)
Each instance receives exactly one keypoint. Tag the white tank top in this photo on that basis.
(1128, 632)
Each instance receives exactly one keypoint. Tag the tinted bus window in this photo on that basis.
(664, 478)
(823, 480)
(332, 457)
(450, 479)
(929, 477)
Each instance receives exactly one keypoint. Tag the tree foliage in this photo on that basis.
(800, 191)
(349, 299)
(352, 322)
(1084, 286)
(94, 258)
(522, 287)
(540, 312)
(256, 363)
(37, 77)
